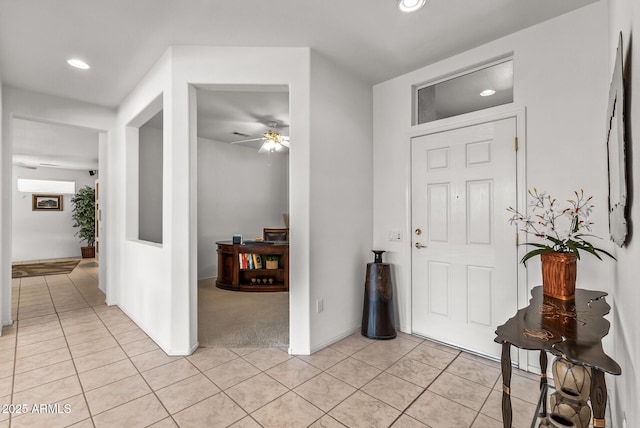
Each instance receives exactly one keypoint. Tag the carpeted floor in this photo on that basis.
(241, 320)
(57, 267)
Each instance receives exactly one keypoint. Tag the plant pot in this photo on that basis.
(559, 275)
(573, 381)
(88, 252)
(272, 264)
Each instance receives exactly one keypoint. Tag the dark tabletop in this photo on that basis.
(573, 329)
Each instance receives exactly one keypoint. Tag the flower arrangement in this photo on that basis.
(563, 229)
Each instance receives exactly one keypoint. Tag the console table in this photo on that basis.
(572, 329)
(233, 276)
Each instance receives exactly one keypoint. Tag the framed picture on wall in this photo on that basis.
(46, 202)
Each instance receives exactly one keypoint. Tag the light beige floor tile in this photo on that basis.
(140, 412)
(362, 410)
(34, 326)
(99, 333)
(437, 411)
(324, 358)
(152, 359)
(410, 337)
(117, 393)
(441, 347)
(77, 328)
(37, 337)
(354, 372)
(6, 386)
(186, 393)
(208, 358)
(522, 411)
(139, 347)
(93, 346)
(6, 369)
(474, 371)
(255, 392)
(350, 345)
(78, 313)
(41, 360)
(414, 371)
(215, 412)
(99, 359)
(289, 410)
(246, 422)
(393, 391)
(33, 378)
(129, 336)
(123, 327)
(522, 387)
(479, 359)
(64, 413)
(51, 392)
(165, 423)
(265, 358)
(242, 351)
(231, 373)
(406, 421)
(377, 357)
(87, 423)
(483, 421)
(431, 355)
(40, 347)
(325, 391)
(105, 375)
(170, 373)
(462, 391)
(293, 372)
(399, 345)
(326, 422)
(4, 416)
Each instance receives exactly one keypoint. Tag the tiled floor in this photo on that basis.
(68, 348)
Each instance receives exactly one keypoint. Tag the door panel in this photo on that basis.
(464, 267)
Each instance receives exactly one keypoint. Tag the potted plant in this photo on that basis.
(562, 231)
(84, 217)
(271, 261)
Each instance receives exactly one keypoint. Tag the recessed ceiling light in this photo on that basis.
(487, 93)
(78, 63)
(411, 5)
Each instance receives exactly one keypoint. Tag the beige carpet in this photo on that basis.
(58, 267)
(241, 320)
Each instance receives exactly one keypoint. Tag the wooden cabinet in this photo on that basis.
(232, 276)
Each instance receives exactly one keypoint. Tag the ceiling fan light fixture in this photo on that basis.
(411, 5)
(78, 63)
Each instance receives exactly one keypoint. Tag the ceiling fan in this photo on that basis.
(272, 140)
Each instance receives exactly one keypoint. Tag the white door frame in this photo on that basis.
(489, 115)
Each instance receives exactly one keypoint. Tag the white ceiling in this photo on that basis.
(122, 39)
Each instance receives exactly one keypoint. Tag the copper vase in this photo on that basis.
(559, 275)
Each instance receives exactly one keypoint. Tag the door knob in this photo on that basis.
(419, 245)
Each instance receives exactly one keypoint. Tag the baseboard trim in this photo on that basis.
(334, 339)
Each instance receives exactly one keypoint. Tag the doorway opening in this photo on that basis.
(52, 162)
(243, 189)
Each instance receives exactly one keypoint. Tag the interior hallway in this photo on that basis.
(67, 347)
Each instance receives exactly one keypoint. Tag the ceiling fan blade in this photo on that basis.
(285, 142)
(246, 141)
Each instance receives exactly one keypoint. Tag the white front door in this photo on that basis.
(464, 255)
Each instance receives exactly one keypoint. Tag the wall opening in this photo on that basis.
(145, 145)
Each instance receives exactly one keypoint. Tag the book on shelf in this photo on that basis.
(257, 261)
(250, 261)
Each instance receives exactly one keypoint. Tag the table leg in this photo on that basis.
(505, 364)
(543, 381)
(598, 397)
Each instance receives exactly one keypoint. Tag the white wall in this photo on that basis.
(45, 234)
(239, 191)
(161, 289)
(624, 16)
(150, 185)
(5, 247)
(341, 199)
(558, 78)
(31, 105)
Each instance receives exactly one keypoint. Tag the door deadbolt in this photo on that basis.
(418, 231)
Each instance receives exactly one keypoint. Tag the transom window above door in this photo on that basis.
(487, 86)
